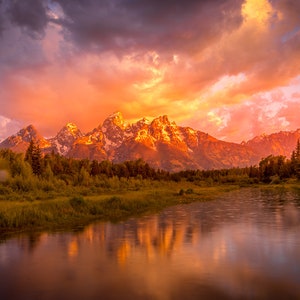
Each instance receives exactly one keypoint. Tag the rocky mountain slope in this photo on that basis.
(65, 138)
(19, 142)
(159, 142)
(281, 143)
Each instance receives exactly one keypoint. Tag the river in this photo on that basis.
(245, 245)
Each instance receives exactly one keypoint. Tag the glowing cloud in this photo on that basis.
(203, 63)
(258, 12)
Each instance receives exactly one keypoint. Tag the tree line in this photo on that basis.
(271, 169)
(55, 171)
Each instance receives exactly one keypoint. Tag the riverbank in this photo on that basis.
(77, 210)
(65, 212)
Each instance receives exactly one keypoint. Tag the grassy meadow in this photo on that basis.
(79, 206)
(53, 192)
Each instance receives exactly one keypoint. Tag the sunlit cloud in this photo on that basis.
(223, 67)
(258, 13)
(8, 127)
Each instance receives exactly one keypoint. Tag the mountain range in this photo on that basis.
(159, 142)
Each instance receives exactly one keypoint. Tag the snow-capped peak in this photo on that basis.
(65, 138)
(28, 133)
(116, 114)
(72, 128)
(143, 121)
(117, 118)
(159, 141)
(114, 120)
(161, 120)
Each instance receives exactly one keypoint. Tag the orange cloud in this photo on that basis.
(203, 63)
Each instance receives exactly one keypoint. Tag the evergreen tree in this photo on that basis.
(95, 169)
(297, 151)
(83, 177)
(297, 160)
(33, 156)
(29, 152)
(48, 174)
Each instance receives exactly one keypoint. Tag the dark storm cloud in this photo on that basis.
(29, 15)
(290, 8)
(2, 9)
(122, 25)
(204, 60)
(1, 26)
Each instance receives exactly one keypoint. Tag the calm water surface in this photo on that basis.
(245, 245)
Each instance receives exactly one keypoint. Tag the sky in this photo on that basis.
(230, 68)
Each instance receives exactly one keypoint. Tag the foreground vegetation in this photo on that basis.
(52, 192)
(70, 211)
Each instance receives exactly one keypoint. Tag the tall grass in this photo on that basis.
(26, 213)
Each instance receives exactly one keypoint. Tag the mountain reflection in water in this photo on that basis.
(243, 246)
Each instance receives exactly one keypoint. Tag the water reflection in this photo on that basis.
(243, 246)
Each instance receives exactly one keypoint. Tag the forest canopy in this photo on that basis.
(50, 172)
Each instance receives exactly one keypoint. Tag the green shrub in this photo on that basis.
(275, 179)
(181, 192)
(113, 202)
(78, 203)
(22, 184)
(5, 190)
(189, 191)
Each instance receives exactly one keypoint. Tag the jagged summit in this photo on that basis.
(72, 128)
(19, 142)
(30, 127)
(28, 133)
(113, 129)
(116, 114)
(143, 121)
(159, 141)
(161, 120)
(115, 119)
(65, 138)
